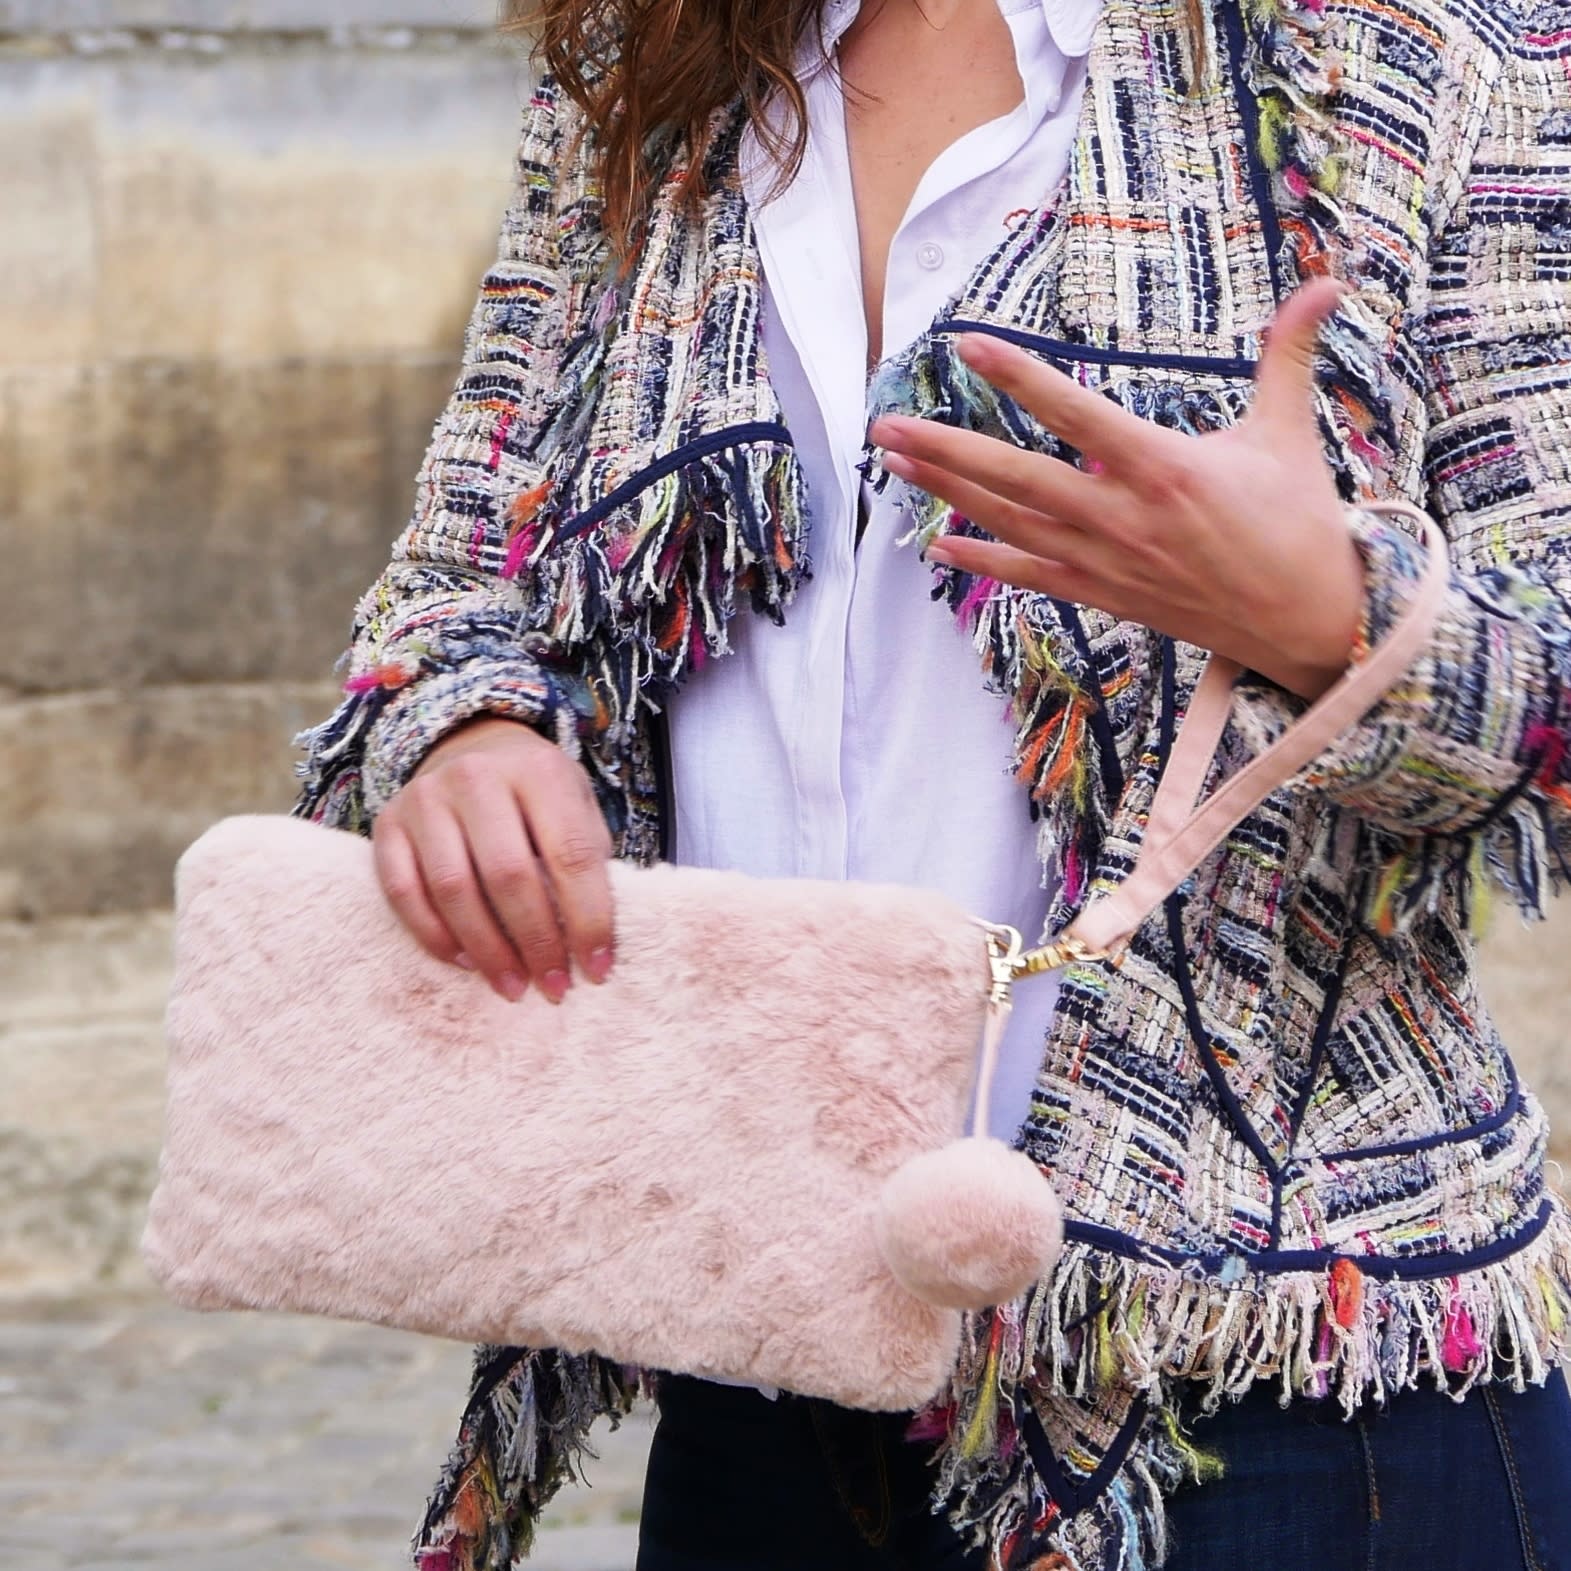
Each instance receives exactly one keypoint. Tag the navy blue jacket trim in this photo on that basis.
(1231, 15)
(1273, 1262)
(1173, 909)
(1323, 1026)
(1091, 354)
(700, 447)
(1071, 1497)
(1485, 1126)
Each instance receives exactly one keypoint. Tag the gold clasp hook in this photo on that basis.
(1005, 951)
(1048, 957)
(1009, 959)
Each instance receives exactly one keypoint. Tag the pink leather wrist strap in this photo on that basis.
(1179, 834)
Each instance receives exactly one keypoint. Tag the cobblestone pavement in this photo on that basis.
(136, 1435)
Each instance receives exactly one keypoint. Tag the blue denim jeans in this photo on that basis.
(739, 1483)
(1425, 1484)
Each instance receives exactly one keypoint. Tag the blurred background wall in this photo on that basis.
(238, 242)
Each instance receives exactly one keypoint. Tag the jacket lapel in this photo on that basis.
(674, 496)
(1148, 276)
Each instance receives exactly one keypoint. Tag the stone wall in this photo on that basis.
(238, 241)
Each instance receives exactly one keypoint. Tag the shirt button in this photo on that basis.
(930, 256)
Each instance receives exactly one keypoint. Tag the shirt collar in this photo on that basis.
(1070, 22)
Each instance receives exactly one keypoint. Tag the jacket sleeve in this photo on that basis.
(440, 637)
(1472, 748)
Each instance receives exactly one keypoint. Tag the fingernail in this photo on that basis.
(554, 984)
(463, 962)
(511, 986)
(938, 552)
(897, 464)
(598, 967)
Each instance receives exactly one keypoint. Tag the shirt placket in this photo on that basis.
(814, 273)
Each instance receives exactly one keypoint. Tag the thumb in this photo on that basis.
(1285, 376)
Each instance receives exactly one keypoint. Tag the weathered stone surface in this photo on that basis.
(312, 203)
(56, 16)
(240, 241)
(135, 1436)
(1527, 986)
(82, 1061)
(102, 791)
(232, 296)
(218, 522)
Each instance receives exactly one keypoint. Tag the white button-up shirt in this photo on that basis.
(858, 740)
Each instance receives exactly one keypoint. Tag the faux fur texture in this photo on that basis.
(354, 1129)
(969, 1225)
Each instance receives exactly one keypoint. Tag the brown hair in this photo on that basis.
(638, 68)
(641, 67)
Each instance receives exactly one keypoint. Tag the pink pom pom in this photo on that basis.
(969, 1225)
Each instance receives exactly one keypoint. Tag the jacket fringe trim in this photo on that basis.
(1110, 1339)
(1122, 1526)
(658, 574)
(524, 1434)
(1282, 54)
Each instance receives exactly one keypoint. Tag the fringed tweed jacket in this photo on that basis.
(1289, 1141)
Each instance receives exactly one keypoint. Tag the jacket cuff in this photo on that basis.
(513, 687)
(1452, 738)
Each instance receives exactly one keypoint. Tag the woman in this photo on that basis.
(1295, 1160)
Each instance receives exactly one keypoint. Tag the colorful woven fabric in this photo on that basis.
(1289, 1141)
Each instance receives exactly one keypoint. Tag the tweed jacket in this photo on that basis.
(1289, 1142)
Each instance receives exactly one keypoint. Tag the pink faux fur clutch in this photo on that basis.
(681, 1169)
(738, 1157)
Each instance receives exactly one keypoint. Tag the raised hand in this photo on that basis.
(1235, 541)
